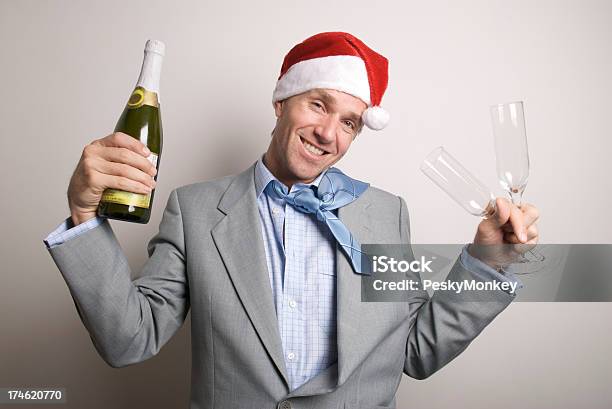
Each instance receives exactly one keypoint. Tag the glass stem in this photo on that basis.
(516, 196)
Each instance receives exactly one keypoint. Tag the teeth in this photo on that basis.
(312, 149)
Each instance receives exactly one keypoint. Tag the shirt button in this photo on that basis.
(291, 356)
(275, 210)
(292, 303)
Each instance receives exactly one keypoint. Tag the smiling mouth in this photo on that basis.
(312, 149)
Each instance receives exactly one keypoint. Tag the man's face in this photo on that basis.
(313, 131)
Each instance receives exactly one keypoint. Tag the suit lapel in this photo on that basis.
(361, 325)
(348, 290)
(240, 243)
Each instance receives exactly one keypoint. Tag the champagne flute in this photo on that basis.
(511, 152)
(471, 194)
(463, 187)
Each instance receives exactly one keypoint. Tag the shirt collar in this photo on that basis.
(263, 177)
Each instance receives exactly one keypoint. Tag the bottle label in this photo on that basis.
(130, 198)
(141, 97)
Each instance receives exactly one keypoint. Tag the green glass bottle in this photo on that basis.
(141, 119)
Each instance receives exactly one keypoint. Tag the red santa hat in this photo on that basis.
(339, 61)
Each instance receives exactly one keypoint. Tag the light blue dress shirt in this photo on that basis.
(302, 270)
(301, 260)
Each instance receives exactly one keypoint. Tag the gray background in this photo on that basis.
(68, 67)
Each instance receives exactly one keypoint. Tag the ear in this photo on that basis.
(278, 108)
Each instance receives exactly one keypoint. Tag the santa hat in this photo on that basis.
(337, 61)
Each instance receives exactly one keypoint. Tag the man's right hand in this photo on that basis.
(117, 161)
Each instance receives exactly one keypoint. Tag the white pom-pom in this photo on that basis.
(375, 118)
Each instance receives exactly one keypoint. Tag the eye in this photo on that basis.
(316, 104)
(350, 125)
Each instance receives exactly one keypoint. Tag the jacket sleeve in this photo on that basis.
(445, 324)
(128, 320)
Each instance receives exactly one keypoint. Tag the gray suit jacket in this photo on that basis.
(209, 255)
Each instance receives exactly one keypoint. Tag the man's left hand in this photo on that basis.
(509, 225)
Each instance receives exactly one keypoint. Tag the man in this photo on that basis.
(268, 260)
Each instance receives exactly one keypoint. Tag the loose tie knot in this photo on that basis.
(335, 190)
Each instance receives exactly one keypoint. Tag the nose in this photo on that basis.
(326, 129)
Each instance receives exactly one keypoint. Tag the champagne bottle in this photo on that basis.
(140, 119)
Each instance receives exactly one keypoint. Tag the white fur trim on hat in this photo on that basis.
(344, 73)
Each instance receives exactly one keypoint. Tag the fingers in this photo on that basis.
(122, 140)
(94, 152)
(532, 236)
(518, 224)
(123, 183)
(510, 224)
(117, 161)
(502, 212)
(530, 214)
(127, 157)
(126, 171)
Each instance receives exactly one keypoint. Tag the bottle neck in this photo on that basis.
(150, 72)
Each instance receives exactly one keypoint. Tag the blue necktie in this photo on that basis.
(335, 190)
